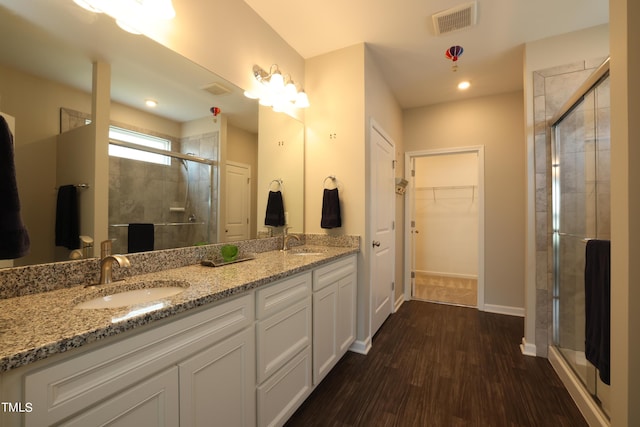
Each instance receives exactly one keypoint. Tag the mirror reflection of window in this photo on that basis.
(144, 140)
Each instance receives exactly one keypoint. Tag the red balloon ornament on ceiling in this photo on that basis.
(453, 53)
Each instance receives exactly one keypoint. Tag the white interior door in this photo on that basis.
(238, 202)
(382, 210)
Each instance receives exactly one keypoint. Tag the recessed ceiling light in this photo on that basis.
(151, 103)
(464, 85)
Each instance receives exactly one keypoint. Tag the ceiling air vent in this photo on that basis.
(456, 18)
(217, 89)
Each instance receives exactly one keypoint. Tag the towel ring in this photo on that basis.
(332, 178)
(277, 181)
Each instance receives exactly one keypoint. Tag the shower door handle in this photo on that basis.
(376, 244)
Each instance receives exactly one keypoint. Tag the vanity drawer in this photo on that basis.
(274, 298)
(282, 336)
(329, 274)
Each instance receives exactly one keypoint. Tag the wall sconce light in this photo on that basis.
(129, 14)
(277, 91)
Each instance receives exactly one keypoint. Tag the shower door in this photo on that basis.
(581, 211)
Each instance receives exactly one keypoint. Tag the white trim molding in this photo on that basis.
(361, 347)
(504, 309)
(589, 409)
(528, 349)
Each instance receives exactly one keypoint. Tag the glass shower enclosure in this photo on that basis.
(580, 211)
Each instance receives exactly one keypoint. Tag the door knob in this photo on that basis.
(376, 243)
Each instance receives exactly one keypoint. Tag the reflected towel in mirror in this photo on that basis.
(67, 218)
(275, 210)
(14, 238)
(141, 238)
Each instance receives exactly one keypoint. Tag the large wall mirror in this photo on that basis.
(207, 190)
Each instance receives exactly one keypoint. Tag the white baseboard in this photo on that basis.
(361, 347)
(504, 309)
(398, 303)
(589, 409)
(528, 349)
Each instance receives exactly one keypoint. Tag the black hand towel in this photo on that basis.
(275, 210)
(67, 218)
(597, 284)
(141, 238)
(331, 209)
(14, 238)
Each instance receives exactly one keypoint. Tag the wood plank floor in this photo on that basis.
(440, 365)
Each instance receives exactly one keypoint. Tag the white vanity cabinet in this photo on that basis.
(249, 360)
(283, 337)
(334, 314)
(200, 366)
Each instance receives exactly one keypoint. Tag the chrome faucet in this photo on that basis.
(107, 260)
(286, 238)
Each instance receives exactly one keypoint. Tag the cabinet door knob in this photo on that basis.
(376, 243)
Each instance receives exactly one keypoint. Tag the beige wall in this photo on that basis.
(228, 38)
(496, 122)
(35, 103)
(281, 154)
(625, 213)
(381, 106)
(335, 145)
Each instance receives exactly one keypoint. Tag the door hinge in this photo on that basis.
(413, 224)
(393, 225)
(413, 274)
(248, 180)
(393, 286)
(393, 164)
(413, 172)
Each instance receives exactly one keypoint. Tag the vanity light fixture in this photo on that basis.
(129, 14)
(276, 91)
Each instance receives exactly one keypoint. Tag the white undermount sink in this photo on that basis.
(142, 292)
(302, 251)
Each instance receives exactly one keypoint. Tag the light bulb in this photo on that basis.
(276, 82)
(464, 85)
(290, 91)
(302, 100)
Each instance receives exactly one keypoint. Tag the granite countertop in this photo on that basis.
(33, 327)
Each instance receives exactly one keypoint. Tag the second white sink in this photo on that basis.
(145, 292)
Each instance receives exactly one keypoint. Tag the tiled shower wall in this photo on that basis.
(552, 87)
(142, 192)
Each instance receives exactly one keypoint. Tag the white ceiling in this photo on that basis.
(399, 34)
(411, 57)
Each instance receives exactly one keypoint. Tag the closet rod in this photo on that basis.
(449, 187)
